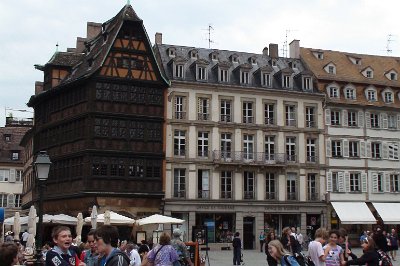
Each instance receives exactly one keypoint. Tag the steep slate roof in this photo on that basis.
(349, 72)
(263, 62)
(67, 59)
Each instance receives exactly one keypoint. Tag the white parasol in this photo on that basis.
(17, 226)
(32, 220)
(107, 217)
(79, 225)
(115, 218)
(93, 217)
(159, 219)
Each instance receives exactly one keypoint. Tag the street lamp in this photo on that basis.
(42, 167)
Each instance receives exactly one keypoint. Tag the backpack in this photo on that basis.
(384, 259)
(290, 260)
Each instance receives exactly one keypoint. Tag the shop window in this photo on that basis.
(220, 226)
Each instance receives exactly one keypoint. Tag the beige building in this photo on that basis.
(362, 122)
(244, 142)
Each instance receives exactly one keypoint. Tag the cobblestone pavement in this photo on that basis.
(254, 258)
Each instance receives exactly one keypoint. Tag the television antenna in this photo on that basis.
(285, 43)
(209, 29)
(389, 40)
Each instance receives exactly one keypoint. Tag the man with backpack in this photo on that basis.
(107, 243)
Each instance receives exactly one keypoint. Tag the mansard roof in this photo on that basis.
(262, 64)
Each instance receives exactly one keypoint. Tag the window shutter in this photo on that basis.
(12, 176)
(362, 149)
(199, 106)
(208, 106)
(385, 150)
(10, 200)
(347, 181)
(329, 183)
(387, 182)
(360, 119)
(398, 122)
(367, 120)
(328, 117)
(341, 182)
(375, 185)
(367, 149)
(184, 103)
(345, 148)
(364, 178)
(344, 118)
(328, 148)
(384, 120)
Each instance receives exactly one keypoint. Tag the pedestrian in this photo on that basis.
(315, 250)
(281, 255)
(333, 252)
(24, 238)
(133, 255)
(271, 261)
(143, 248)
(237, 248)
(62, 254)
(370, 257)
(90, 256)
(380, 240)
(300, 237)
(8, 254)
(343, 242)
(107, 242)
(180, 247)
(394, 240)
(162, 254)
(261, 238)
(289, 242)
(9, 237)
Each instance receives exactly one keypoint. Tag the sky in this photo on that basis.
(30, 30)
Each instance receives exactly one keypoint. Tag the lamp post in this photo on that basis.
(42, 167)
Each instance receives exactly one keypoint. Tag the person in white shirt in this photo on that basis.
(25, 236)
(315, 250)
(135, 258)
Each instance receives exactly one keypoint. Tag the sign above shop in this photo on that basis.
(216, 207)
(282, 208)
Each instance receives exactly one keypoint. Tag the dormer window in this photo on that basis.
(171, 52)
(368, 73)
(371, 94)
(388, 97)
(391, 75)
(350, 93)
(252, 60)
(223, 75)
(201, 72)
(15, 155)
(330, 68)
(7, 137)
(179, 71)
(234, 58)
(333, 92)
(354, 60)
(307, 83)
(244, 77)
(286, 81)
(266, 80)
(273, 63)
(319, 55)
(214, 56)
(193, 54)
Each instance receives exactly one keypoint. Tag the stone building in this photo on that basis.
(11, 163)
(362, 127)
(244, 142)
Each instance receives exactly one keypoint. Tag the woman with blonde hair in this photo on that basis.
(281, 255)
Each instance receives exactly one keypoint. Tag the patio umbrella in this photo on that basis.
(32, 220)
(93, 217)
(115, 218)
(17, 226)
(159, 219)
(79, 225)
(107, 217)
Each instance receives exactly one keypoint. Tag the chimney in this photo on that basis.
(158, 38)
(80, 44)
(294, 49)
(273, 50)
(265, 51)
(93, 29)
(38, 87)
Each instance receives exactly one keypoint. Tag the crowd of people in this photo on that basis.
(102, 248)
(329, 248)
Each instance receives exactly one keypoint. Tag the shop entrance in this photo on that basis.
(248, 233)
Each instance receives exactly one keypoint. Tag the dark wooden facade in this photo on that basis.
(101, 119)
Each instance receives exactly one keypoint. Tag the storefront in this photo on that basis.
(220, 226)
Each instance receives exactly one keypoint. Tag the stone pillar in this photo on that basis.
(239, 223)
(302, 190)
(259, 226)
(303, 223)
(238, 186)
(191, 223)
(282, 187)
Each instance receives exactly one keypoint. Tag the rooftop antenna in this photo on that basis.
(285, 43)
(388, 41)
(57, 47)
(209, 29)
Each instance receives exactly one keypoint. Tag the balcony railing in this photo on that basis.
(269, 120)
(312, 159)
(260, 158)
(291, 196)
(290, 158)
(226, 118)
(312, 196)
(310, 124)
(291, 123)
(180, 115)
(270, 195)
(181, 152)
(248, 195)
(180, 194)
(226, 194)
(203, 116)
(204, 194)
(203, 154)
(248, 119)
